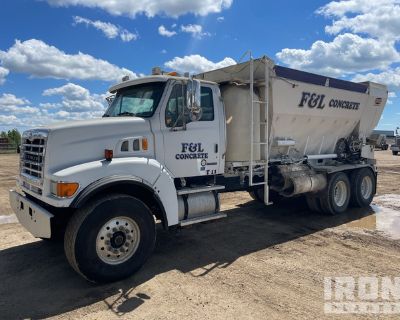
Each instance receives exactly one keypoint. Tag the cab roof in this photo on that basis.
(148, 79)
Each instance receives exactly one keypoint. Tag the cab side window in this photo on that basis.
(175, 105)
(207, 104)
(177, 102)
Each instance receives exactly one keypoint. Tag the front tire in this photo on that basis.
(336, 197)
(363, 186)
(110, 238)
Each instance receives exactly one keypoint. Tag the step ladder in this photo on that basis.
(262, 127)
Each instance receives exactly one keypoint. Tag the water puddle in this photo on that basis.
(8, 219)
(382, 219)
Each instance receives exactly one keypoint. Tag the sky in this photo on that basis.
(59, 57)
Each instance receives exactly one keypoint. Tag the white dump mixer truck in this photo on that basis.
(168, 145)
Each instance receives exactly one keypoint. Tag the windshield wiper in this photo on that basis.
(126, 113)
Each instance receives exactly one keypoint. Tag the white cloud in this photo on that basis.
(76, 98)
(192, 28)
(171, 8)
(7, 120)
(195, 30)
(49, 105)
(391, 95)
(75, 103)
(110, 30)
(8, 99)
(347, 53)
(69, 91)
(127, 36)
(340, 8)
(366, 39)
(379, 18)
(220, 19)
(13, 110)
(18, 110)
(165, 32)
(3, 74)
(196, 64)
(390, 77)
(39, 59)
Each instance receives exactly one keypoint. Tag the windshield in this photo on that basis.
(137, 101)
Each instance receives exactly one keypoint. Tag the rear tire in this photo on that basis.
(110, 238)
(313, 203)
(336, 197)
(363, 187)
(258, 195)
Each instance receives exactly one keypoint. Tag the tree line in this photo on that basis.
(13, 136)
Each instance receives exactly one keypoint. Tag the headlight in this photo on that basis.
(63, 189)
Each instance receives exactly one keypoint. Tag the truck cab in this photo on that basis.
(188, 145)
(157, 132)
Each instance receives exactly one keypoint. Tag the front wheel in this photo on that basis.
(110, 239)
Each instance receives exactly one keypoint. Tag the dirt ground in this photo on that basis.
(259, 263)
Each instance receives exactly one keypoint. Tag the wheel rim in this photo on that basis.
(366, 187)
(117, 240)
(340, 193)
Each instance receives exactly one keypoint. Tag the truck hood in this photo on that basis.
(76, 142)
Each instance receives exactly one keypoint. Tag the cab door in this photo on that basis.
(192, 149)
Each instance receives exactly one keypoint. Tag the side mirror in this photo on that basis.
(193, 98)
(110, 99)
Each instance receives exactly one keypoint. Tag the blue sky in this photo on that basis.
(58, 57)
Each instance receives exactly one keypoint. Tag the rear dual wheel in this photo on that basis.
(336, 196)
(341, 192)
(363, 187)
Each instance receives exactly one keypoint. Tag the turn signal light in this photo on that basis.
(64, 189)
(145, 144)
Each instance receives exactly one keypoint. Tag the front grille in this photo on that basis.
(33, 150)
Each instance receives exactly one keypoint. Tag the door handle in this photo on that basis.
(216, 148)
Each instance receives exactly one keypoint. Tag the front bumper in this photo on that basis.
(33, 217)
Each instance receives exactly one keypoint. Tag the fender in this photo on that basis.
(148, 173)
